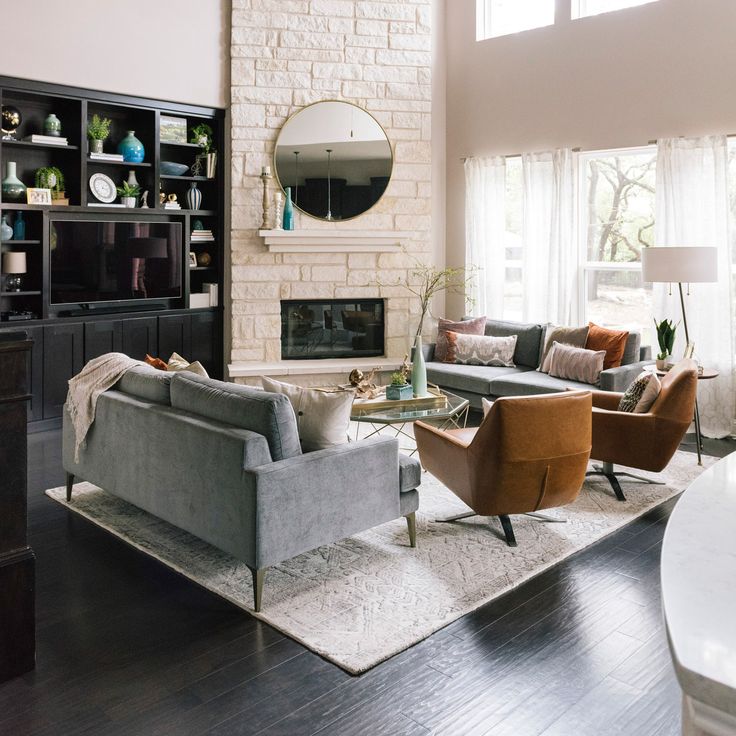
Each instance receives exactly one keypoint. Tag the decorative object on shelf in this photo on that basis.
(399, 389)
(194, 197)
(52, 125)
(46, 139)
(211, 164)
(19, 227)
(103, 188)
(131, 148)
(171, 202)
(418, 369)
(204, 259)
(203, 137)
(197, 224)
(14, 190)
(132, 179)
(278, 199)
(128, 194)
(144, 200)
(172, 168)
(38, 196)
(192, 259)
(14, 266)
(11, 120)
(173, 130)
(98, 131)
(6, 232)
(666, 330)
(50, 177)
(265, 177)
(288, 211)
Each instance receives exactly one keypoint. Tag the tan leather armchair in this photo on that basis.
(529, 453)
(645, 441)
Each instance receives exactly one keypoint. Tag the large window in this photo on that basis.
(584, 8)
(501, 17)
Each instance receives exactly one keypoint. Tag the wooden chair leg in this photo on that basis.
(411, 522)
(508, 530)
(69, 484)
(258, 576)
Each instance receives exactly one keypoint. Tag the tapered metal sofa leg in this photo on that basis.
(411, 523)
(69, 484)
(258, 576)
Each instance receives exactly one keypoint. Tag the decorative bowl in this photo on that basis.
(171, 168)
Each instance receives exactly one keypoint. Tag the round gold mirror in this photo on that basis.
(336, 158)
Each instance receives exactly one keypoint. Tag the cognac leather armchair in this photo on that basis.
(645, 441)
(529, 453)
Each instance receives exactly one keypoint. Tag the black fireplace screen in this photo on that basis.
(332, 328)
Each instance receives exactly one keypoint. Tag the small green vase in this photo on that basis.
(14, 190)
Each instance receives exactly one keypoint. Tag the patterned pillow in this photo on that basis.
(641, 394)
(575, 336)
(575, 364)
(475, 326)
(481, 349)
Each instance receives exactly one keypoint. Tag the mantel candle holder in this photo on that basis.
(265, 177)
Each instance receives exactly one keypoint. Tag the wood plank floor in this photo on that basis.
(125, 646)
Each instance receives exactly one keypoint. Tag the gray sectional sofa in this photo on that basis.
(224, 463)
(477, 381)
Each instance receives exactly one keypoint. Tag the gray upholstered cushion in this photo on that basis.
(528, 343)
(474, 378)
(410, 473)
(631, 351)
(259, 411)
(146, 382)
(532, 382)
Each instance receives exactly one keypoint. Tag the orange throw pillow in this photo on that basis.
(156, 362)
(612, 341)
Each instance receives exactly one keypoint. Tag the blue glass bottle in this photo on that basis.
(19, 227)
(288, 211)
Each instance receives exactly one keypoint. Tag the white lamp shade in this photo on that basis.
(679, 264)
(14, 262)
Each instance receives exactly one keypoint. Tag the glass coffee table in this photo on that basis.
(394, 421)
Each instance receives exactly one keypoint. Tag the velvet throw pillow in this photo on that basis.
(575, 364)
(575, 336)
(479, 349)
(641, 394)
(612, 341)
(321, 417)
(475, 326)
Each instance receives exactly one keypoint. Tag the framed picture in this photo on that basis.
(192, 260)
(38, 196)
(689, 350)
(173, 130)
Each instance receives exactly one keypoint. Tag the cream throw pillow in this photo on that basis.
(322, 418)
(483, 349)
(575, 364)
(641, 394)
(575, 336)
(177, 363)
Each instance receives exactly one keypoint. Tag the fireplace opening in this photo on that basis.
(332, 328)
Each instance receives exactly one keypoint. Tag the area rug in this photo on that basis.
(366, 598)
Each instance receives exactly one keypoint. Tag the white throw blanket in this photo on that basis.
(85, 388)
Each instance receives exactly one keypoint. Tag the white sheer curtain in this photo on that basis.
(692, 208)
(548, 237)
(485, 232)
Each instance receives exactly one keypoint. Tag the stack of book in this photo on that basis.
(202, 236)
(172, 206)
(106, 156)
(54, 140)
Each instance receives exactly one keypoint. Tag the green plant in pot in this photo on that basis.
(50, 177)
(129, 193)
(666, 338)
(98, 131)
(398, 388)
(202, 136)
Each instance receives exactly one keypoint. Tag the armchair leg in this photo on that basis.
(69, 484)
(411, 523)
(457, 517)
(508, 530)
(607, 470)
(258, 576)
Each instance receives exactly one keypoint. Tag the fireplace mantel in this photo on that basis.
(334, 241)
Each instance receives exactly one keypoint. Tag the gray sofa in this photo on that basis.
(474, 382)
(224, 463)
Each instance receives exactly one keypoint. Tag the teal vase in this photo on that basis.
(52, 126)
(6, 232)
(131, 148)
(14, 190)
(419, 369)
(19, 227)
(288, 210)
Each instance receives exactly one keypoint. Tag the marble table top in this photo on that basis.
(699, 586)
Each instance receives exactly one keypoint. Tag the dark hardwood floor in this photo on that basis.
(125, 646)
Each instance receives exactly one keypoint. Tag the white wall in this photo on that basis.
(613, 80)
(165, 49)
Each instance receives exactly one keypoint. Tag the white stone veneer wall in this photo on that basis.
(287, 54)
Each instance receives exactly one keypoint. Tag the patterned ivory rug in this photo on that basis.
(362, 600)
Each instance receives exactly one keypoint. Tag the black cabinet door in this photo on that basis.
(63, 357)
(102, 337)
(175, 336)
(206, 342)
(35, 371)
(140, 336)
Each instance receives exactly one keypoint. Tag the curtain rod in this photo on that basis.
(515, 155)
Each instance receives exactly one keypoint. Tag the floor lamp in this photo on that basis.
(681, 265)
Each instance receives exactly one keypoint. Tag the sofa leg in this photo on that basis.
(69, 484)
(508, 530)
(258, 576)
(411, 523)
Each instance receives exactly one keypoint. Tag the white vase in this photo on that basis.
(128, 201)
(418, 369)
(131, 179)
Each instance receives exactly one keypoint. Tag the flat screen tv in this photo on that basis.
(103, 261)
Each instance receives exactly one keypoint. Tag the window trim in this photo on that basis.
(576, 15)
(484, 21)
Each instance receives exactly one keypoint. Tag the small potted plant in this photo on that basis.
(666, 339)
(129, 194)
(202, 135)
(98, 130)
(50, 177)
(398, 388)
